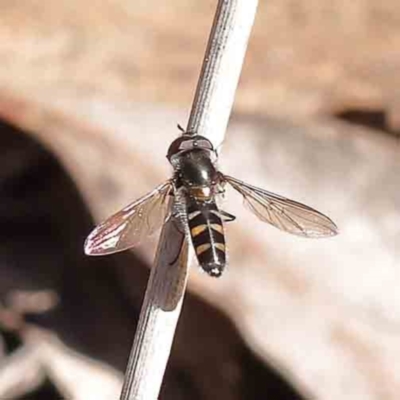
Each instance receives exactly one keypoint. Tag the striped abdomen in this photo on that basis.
(207, 233)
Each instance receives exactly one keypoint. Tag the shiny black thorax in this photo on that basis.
(196, 171)
(193, 158)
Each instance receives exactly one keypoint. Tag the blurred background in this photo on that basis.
(90, 95)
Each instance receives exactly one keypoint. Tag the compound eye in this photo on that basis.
(183, 144)
(204, 144)
(173, 148)
(198, 142)
(187, 145)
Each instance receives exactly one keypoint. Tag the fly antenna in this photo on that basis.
(180, 128)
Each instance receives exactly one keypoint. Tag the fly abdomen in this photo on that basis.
(208, 238)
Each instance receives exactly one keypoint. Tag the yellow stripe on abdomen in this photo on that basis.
(218, 228)
(202, 248)
(198, 229)
(220, 246)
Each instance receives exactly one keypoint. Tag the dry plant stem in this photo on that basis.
(158, 318)
(221, 69)
(209, 117)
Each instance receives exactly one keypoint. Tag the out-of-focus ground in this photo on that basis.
(102, 85)
(305, 57)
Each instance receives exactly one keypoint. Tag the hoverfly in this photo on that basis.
(195, 186)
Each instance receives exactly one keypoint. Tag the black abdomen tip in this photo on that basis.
(213, 269)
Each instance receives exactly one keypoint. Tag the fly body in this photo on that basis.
(193, 159)
(196, 185)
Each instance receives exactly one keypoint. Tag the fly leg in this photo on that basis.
(226, 217)
(220, 191)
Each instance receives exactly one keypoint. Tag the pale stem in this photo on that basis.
(209, 117)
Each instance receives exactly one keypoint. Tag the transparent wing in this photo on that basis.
(287, 215)
(132, 225)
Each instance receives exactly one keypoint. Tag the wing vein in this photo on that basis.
(132, 224)
(285, 214)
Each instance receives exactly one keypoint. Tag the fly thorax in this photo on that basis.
(197, 173)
